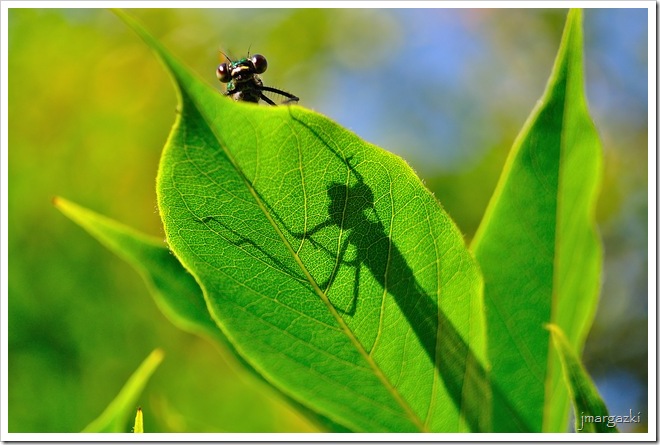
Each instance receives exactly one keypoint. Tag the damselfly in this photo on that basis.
(243, 81)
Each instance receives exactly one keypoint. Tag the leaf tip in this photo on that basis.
(139, 421)
(157, 354)
(551, 327)
(60, 203)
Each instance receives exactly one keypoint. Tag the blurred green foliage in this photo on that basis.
(90, 109)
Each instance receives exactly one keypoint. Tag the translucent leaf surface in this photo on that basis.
(586, 400)
(325, 261)
(115, 417)
(138, 426)
(538, 248)
(175, 291)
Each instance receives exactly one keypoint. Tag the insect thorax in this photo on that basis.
(245, 90)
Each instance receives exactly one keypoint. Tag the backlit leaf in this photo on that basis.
(325, 261)
(538, 248)
(587, 402)
(115, 417)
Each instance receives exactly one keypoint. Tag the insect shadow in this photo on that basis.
(352, 209)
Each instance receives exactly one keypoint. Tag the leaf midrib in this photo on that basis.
(175, 69)
(342, 324)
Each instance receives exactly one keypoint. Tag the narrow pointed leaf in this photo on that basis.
(537, 244)
(326, 262)
(175, 291)
(115, 417)
(138, 427)
(586, 400)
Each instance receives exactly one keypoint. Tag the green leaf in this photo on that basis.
(538, 248)
(325, 261)
(175, 291)
(586, 400)
(115, 416)
(138, 426)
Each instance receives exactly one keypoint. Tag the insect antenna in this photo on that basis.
(226, 56)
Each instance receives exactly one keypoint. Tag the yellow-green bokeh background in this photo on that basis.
(90, 108)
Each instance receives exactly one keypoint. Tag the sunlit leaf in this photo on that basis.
(328, 265)
(115, 417)
(138, 427)
(538, 248)
(175, 291)
(586, 400)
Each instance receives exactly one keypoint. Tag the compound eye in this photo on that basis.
(223, 73)
(259, 63)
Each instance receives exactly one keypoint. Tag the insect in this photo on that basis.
(243, 81)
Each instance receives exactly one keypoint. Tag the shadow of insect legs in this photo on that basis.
(348, 210)
(352, 208)
(239, 240)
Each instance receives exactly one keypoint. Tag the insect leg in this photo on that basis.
(356, 290)
(326, 286)
(266, 99)
(290, 96)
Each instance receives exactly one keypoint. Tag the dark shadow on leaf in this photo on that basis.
(248, 246)
(351, 208)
